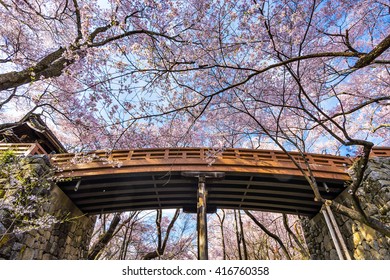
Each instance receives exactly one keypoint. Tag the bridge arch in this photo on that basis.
(152, 178)
(262, 180)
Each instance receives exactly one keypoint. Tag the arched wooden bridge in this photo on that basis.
(152, 178)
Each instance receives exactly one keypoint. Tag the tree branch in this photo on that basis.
(374, 53)
(274, 236)
(103, 240)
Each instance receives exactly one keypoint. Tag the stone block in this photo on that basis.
(14, 255)
(42, 239)
(375, 255)
(53, 248)
(359, 253)
(3, 229)
(40, 255)
(368, 233)
(30, 240)
(375, 245)
(350, 243)
(6, 247)
(333, 255)
(365, 245)
(61, 242)
(384, 252)
(319, 238)
(48, 257)
(378, 174)
(61, 253)
(357, 239)
(17, 246)
(328, 242)
(28, 254)
(4, 218)
(371, 209)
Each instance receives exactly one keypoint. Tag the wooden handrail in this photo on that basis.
(185, 159)
(23, 149)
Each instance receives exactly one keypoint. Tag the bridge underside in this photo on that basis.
(162, 190)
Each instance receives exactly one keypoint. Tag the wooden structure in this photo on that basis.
(265, 180)
(31, 130)
(103, 182)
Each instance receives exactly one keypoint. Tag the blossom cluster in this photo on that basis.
(25, 187)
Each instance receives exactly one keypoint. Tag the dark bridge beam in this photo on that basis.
(111, 193)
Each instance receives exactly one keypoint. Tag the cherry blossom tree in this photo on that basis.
(87, 64)
(308, 76)
(264, 235)
(144, 235)
(103, 69)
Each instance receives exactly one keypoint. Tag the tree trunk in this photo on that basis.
(274, 236)
(221, 220)
(243, 236)
(161, 244)
(237, 235)
(297, 241)
(103, 240)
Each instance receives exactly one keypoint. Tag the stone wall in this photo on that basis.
(68, 239)
(362, 241)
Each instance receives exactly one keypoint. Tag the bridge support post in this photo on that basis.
(201, 208)
(333, 234)
(202, 220)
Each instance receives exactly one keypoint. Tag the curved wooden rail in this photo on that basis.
(145, 179)
(200, 159)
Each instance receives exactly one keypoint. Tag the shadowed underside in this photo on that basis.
(153, 190)
(145, 179)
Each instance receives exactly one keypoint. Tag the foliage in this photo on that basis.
(25, 187)
(145, 234)
(242, 73)
(259, 245)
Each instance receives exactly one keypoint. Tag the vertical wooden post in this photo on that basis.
(201, 208)
(332, 234)
(338, 232)
(202, 220)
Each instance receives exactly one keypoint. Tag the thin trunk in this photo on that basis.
(355, 215)
(122, 250)
(103, 240)
(294, 236)
(274, 236)
(243, 236)
(128, 240)
(161, 244)
(221, 220)
(104, 223)
(237, 236)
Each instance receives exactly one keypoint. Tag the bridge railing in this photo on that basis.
(380, 152)
(203, 154)
(186, 153)
(142, 160)
(23, 149)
